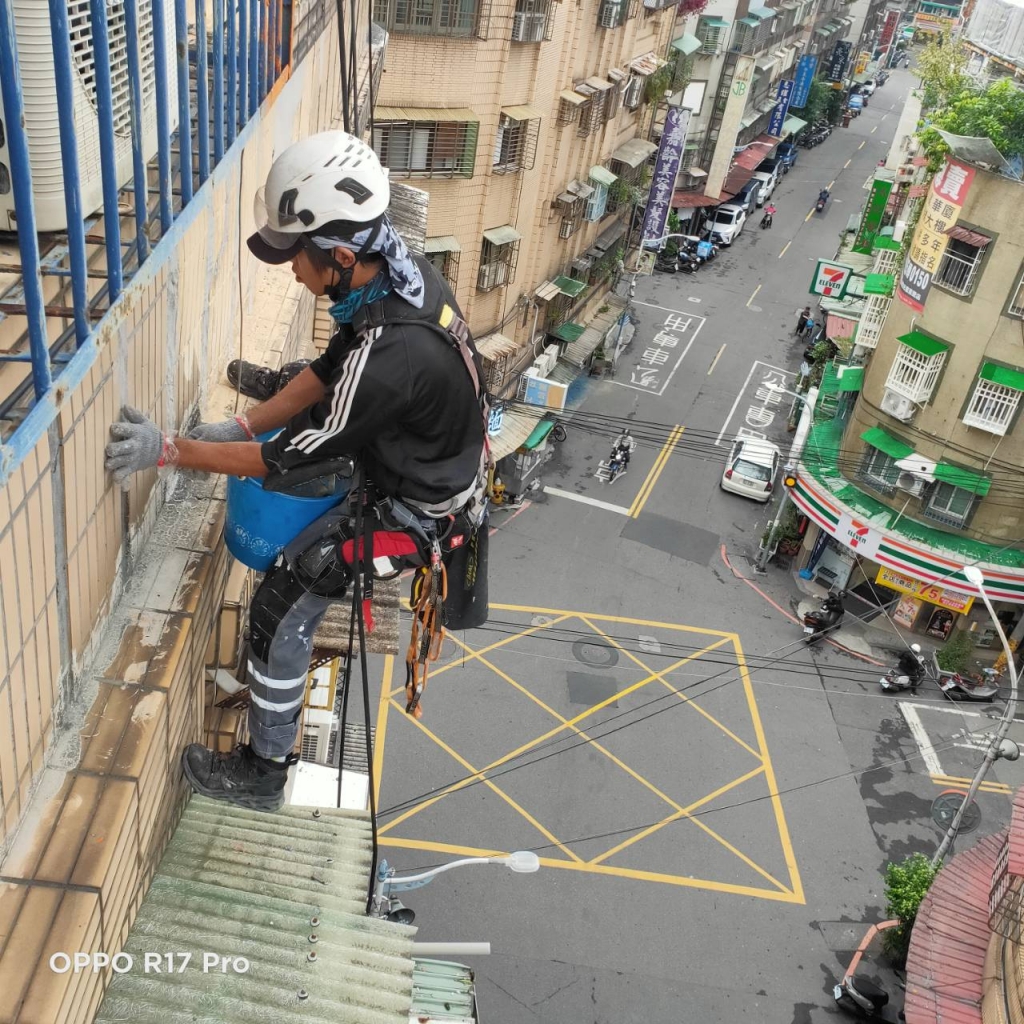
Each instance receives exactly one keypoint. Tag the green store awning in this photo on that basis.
(922, 343)
(540, 432)
(569, 286)
(879, 284)
(762, 13)
(568, 331)
(602, 175)
(963, 478)
(686, 44)
(714, 22)
(792, 125)
(885, 442)
(883, 241)
(851, 378)
(1002, 375)
(751, 22)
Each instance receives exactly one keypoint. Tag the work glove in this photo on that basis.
(139, 444)
(235, 429)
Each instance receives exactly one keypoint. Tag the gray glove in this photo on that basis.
(228, 430)
(140, 445)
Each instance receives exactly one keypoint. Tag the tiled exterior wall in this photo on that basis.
(108, 598)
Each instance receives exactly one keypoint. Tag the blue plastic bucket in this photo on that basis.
(258, 523)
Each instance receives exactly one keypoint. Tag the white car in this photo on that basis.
(869, 87)
(751, 468)
(726, 222)
(767, 173)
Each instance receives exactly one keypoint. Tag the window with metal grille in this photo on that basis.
(949, 505)
(497, 265)
(958, 270)
(429, 17)
(515, 145)
(572, 214)
(568, 112)
(532, 21)
(592, 114)
(597, 204)
(427, 148)
(879, 470)
(634, 92)
(710, 36)
(1016, 306)
(992, 407)
(447, 264)
(613, 101)
(914, 374)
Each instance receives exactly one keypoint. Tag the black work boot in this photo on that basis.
(240, 777)
(254, 381)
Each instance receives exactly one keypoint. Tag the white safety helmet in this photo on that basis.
(331, 178)
(916, 648)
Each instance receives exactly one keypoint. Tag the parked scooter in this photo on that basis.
(907, 674)
(825, 619)
(958, 687)
(823, 197)
(861, 997)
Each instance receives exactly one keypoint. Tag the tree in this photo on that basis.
(822, 102)
(997, 113)
(941, 66)
(906, 884)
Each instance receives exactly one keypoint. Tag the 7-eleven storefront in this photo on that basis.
(922, 588)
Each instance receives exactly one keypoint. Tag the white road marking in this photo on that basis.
(596, 502)
(756, 363)
(917, 730)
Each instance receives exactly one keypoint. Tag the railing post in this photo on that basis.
(241, 55)
(218, 80)
(184, 106)
(254, 56)
(202, 92)
(139, 175)
(163, 114)
(108, 159)
(61, 41)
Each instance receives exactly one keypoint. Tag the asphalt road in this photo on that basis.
(639, 706)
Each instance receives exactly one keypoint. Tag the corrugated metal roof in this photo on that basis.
(580, 350)
(441, 243)
(443, 991)
(494, 346)
(522, 112)
(247, 884)
(951, 934)
(634, 152)
(517, 425)
(1016, 851)
(443, 114)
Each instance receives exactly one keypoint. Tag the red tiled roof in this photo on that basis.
(1016, 861)
(750, 157)
(950, 936)
(739, 174)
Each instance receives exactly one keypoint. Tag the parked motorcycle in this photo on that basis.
(959, 687)
(688, 264)
(666, 264)
(827, 618)
(861, 997)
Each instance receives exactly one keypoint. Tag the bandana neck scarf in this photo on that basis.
(343, 311)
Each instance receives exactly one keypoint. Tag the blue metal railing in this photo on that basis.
(246, 50)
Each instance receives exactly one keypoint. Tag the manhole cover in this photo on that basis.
(595, 653)
(945, 806)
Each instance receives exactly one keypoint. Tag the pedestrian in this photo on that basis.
(801, 320)
(397, 390)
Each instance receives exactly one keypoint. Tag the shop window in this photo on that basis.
(428, 17)
(879, 470)
(949, 505)
(497, 265)
(427, 148)
(992, 407)
(958, 271)
(914, 374)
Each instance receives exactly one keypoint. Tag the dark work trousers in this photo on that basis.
(285, 612)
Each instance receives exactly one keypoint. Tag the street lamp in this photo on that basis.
(523, 862)
(996, 746)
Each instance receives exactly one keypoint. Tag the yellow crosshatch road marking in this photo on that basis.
(690, 809)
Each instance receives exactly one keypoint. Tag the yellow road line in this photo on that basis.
(784, 248)
(847, 164)
(861, 146)
(382, 727)
(452, 849)
(686, 700)
(652, 478)
(810, 214)
(875, 129)
(831, 184)
(769, 772)
(752, 297)
(714, 362)
(954, 781)
(487, 782)
(624, 619)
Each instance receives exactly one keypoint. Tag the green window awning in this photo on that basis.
(762, 13)
(1002, 375)
(603, 176)
(539, 433)
(568, 332)
(878, 284)
(963, 478)
(714, 22)
(749, 21)
(851, 378)
(885, 442)
(792, 125)
(923, 343)
(686, 44)
(569, 286)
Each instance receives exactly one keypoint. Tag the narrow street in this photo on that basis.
(694, 779)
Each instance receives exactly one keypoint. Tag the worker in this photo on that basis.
(398, 389)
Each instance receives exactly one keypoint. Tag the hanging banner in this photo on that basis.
(874, 212)
(892, 19)
(939, 213)
(778, 118)
(838, 60)
(802, 82)
(663, 182)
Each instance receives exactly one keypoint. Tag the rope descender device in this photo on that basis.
(429, 590)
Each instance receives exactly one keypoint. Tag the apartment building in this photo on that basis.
(913, 469)
(530, 125)
(995, 36)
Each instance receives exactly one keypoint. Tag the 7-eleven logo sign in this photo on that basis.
(831, 279)
(857, 536)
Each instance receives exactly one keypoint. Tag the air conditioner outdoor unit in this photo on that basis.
(316, 736)
(545, 363)
(899, 230)
(42, 116)
(528, 28)
(610, 13)
(910, 483)
(898, 406)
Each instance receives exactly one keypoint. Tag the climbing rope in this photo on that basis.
(429, 590)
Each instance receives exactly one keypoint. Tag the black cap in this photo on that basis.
(267, 253)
